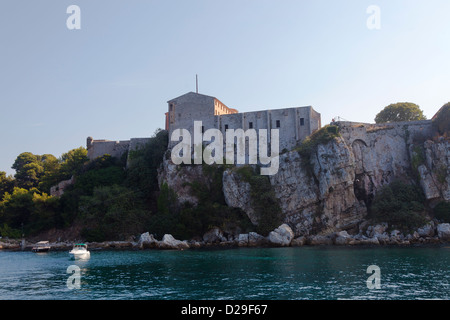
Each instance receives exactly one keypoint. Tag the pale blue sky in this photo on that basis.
(112, 79)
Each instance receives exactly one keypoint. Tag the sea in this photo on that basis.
(290, 273)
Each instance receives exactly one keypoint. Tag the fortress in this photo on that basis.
(294, 124)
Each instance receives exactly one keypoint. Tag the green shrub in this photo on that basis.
(167, 199)
(8, 232)
(100, 177)
(442, 211)
(309, 146)
(263, 200)
(112, 213)
(417, 159)
(399, 204)
(188, 221)
(142, 173)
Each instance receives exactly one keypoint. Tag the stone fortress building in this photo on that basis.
(294, 124)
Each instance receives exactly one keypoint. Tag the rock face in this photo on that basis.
(426, 231)
(435, 171)
(255, 239)
(342, 238)
(213, 236)
(443, 231)
(317, 240)
(169, 242)
(322, 200)
(237, 194)
(281, 236)
(178, 177)
(329, 191)
(242, 240)
(147, 240)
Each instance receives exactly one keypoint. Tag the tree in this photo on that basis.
(112, 213)
(402, 111)
(142, 173)
(29, 169)
(51, 175)
(399, 204)
(31, 209)
(6, 184)
(72, 162)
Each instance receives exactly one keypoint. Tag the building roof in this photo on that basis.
(203, 95)
(192, 93)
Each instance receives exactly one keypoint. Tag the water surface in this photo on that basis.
(258, 273)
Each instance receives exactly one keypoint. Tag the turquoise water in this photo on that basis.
(259, 273)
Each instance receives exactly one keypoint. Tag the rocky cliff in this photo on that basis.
(330, 190)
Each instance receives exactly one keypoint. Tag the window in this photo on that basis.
(278, 123)
(226, 127)
(250, 125)
(302, 121)
(203, 129)
(170, 107)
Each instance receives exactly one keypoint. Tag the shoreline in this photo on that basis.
(12, 245)
(283, 236)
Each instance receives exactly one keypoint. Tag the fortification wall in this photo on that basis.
(98, 148)
(411, 131)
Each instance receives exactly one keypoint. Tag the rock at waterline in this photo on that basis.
(443, 231)
(281, 236)
(147, 240)
(213, 236)
(169, 242)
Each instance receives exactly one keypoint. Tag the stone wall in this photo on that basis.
(294, 124)
(98, 148)
(58, 190)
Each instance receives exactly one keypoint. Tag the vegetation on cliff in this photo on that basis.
(308, 147)
(186, 221)
(263, 200)
(402, 111)
(109, 201)
(401, 205)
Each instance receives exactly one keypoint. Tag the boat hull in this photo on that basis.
(40, 249)
(79, 255)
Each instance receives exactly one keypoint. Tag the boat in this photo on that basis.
(41, 246)
(79, 251)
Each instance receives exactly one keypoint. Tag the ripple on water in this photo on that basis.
(266, 273)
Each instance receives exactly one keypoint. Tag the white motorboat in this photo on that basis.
(41, 246)
(79, 251)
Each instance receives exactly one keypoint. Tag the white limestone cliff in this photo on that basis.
(331, 192)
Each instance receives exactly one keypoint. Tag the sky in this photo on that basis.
(111, 79)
